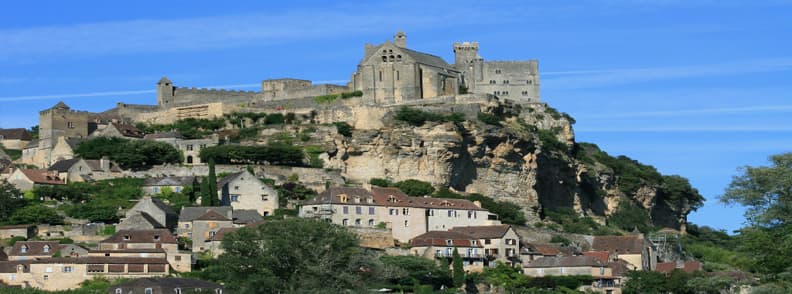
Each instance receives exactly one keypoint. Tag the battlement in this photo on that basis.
(214, 91)
(466, 45)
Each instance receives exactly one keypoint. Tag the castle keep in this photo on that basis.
(388, 73)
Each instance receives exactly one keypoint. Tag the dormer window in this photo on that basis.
(126, 237)
(23, 249)
(473, 242)
(46, 248)
(357, 199)
(342, 198)
(156, 237)
(391, 199)
(369, 200)
(450, 242)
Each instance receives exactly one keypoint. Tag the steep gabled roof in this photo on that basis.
(163, 135)
(63, 166)
(42, 176)
(227, 179)
(426, 58)
(34, 248)
(15, 134)
(128, 130)
(564, 261)
(142, 236)
(222, 232)
(191, 213)
(483, 232)
(619, 244)
(440, 238)
(211, 215)
(247, 216)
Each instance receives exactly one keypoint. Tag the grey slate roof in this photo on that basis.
(427, 59)
(189, 214)
(15, 134)
(169, 181)
(63, 165)
(564, 261)
(247, 216)
(225, 180)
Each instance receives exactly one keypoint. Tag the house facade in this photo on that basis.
(55, 274)
(166, 286)
(81, 170)
(442, 244)
(634, 249)
(15, 139)
(406, 216)
(205, 227)
(243, 190)
(500, 242)
(191, 148)
(130, 241)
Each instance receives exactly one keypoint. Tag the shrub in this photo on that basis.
(417, 117)
(415, 187)
(275, 118)
(380, 182)
(629, 217)
(550, 141)
(344, 129)
(275, 153)
(129, 154)
(560, 239)
(489, 118)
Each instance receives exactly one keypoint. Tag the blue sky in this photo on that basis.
(696, 88)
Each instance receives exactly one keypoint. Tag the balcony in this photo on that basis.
(463, 255)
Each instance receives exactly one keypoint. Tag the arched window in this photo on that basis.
(371, 222)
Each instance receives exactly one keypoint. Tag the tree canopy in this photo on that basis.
(129, 154)
(765, 190)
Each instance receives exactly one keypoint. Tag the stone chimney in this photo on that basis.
(104, 163)
(477, 203)
(400, 39)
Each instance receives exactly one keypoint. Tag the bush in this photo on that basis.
(344, 129)
(36, 214)
(417, 117)
(129, 154)
(275, 118)
(15, 239)
(380, 182)
(551, 142)
(276, 153)
(415, 187)
(629, 217)
(561, 240)
(489, 118)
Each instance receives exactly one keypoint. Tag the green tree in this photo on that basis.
(10, 200)
(458, 271)
(36, 214)
(293, 256)
(212, 179)
(766, 191)
(206, 195)
(415, 187)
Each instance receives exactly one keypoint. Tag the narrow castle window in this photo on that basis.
(70, 125)
(530, 82)
(384, 58)
(506, 81)
(497, 71)
(380, 76)
(492, 82)
(397, 75)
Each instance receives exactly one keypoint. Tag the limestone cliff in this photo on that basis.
(528, 157)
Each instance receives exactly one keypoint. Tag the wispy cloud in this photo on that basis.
(112, 94)
(678, 129)
(201, 33)
(694, 112)
(577, 79)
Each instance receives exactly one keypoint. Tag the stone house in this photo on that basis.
(63, 149)
(81, 170)
(11, 231)
(214, 245)
(153, 186)
(28, 179)
(243, 190)
(166, 286)
(501, 243)
(634, 249)
(189, 213)
(56, 274)
(130, 241)
(15, 139)
(29, 250)
(118, 130)
(190, 148)
(533, 251)
(406, 216)
(205, 227)
(149, 213)
(441, 245)
(566, 266)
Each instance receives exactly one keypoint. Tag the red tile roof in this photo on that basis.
(211, 215)
(665, 267)
(142, 236)
(34, 248)
(42, 176)
(602, 256)
(440, 238)
(483, 232)
(387, 197)
(222, 232)
(619, 244)
(564, 261)
(547, 249)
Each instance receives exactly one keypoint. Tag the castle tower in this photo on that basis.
(465, 53)
(400, 39)
(164, 91)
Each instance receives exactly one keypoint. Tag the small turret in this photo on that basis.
(400, 39)
(164, 91)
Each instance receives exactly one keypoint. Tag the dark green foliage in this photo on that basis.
(644, 282)
(344, 129)
(765, 190)
(380, 182)
(332, 97)
(313, 153)
(212, 182)
(678, 193)
(415, 187)
(34, 131)
(129, 154)
(550, 141)
(292, 256)
(508, 212)
(74, 192)
(10, 200)
(458, 271)
(629, 217)
(489, 118)
(561, 240)
(94, 212)
(571, 221)
(275, 118)
(463, 90)
(505, 276)
(36, 214)
(293, 191)
(416, 270)
(276, 153)
(12, 153)
(98, 202)
(15, 239)
(190, 128)
(206, 194)
(417, 117)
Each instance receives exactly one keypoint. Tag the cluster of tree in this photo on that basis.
(190, 128)
(678, 282)
(209, 188)
(14, 209)
(129, 154)
(417, 117)
(97, 202)
(410, 187)
(512, 280)
(573, 223)
(490, 119)
(275, 153)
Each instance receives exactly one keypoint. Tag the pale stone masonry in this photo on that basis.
(406, 216)
(244, 190)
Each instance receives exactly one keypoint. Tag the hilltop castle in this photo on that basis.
(388, 73)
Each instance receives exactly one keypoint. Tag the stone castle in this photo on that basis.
(389, 74)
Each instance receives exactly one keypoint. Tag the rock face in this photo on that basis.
(526, 159)
(5, 160)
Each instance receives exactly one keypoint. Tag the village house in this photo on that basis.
(634, 249)
(166, 286)
(238, 217)
(205, 227)
(603, 279)
(15, 139)
(533, 251)
(191, 148)
(11, 231)
(214, 245)
(442, 244)
(406, 216)
(56, 274)
(82, 170)
(29, 250)
(243, 190)
(501, 243)
(153, 186)
(149, 213)
(129, 241)
(28, 179)
(72, 250)
(117, 130)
